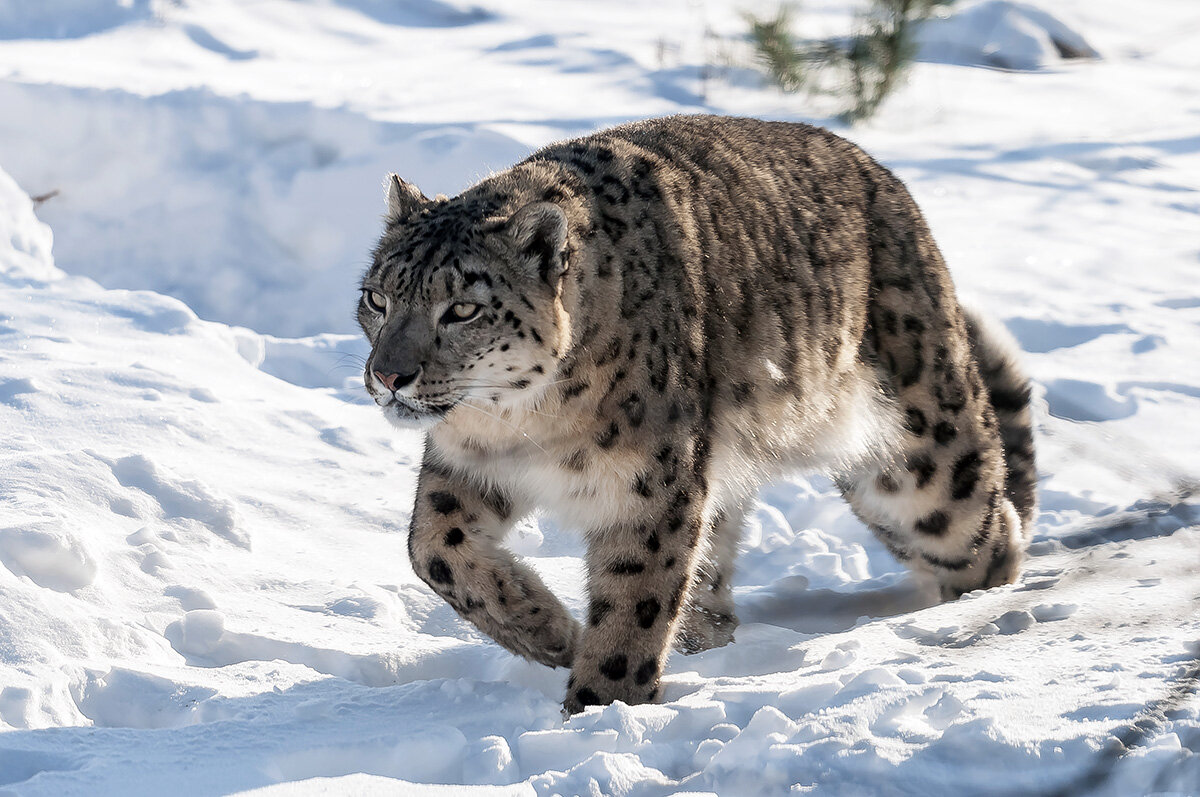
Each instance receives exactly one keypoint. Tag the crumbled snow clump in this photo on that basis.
(24, 241)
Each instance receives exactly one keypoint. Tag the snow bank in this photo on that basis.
(1000, 33)
(268, 211)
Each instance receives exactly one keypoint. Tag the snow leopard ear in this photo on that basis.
(402, 198)
(539, 232)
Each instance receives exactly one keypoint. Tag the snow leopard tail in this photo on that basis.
(1008, 387)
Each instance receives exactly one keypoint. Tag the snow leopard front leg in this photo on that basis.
(639, 575)
(455, 547)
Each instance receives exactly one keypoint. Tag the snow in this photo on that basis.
(203, 580)
(63, 19)
(1001, 34)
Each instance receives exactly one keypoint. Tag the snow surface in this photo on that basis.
(203, 583)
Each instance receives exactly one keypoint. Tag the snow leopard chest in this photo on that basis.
(546, 468)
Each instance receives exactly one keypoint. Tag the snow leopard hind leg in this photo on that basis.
(709, 619)
(955, 500)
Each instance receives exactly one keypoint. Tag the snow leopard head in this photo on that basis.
(462, 302)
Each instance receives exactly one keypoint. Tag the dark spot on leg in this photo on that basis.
(454, 536)
(587, 697)
(677, 595)
(626, 568)
(439, 571)
(647, 612)
(914, 420)
(598, 611)
(1000, 555)
(609, 436)
(888, 321)
(947, 564)
(916, 365)
(571, 391)
(952, 397)
(635, 409)
(923, 467)
(444, 503)
(646, 672)
(886, 484)
(944, 432)
(614, 667)
(989, 517)
(641, 486)
(934, 524)
(965, 475)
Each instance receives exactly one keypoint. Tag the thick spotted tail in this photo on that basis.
(996, 355)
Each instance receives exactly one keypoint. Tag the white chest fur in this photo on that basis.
(546, 467)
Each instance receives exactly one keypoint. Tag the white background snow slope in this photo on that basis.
(203, 579)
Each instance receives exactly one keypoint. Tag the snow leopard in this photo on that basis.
(632, 331)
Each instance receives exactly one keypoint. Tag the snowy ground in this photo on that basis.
(203, 585)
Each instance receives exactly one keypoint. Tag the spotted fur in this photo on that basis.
(633, 330)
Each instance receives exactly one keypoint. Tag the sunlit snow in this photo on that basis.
(204, 587)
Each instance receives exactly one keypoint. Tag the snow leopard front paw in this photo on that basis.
(704, 629)
(553, 643)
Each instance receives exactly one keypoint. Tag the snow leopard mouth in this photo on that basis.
(405, 415)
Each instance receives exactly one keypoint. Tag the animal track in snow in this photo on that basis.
(190, 598)
(1041, 336)
(1077, 400)
(11, 390)
(18, 766)
(1011, 622)
(921, 715)
(123, 698)
(154, 558)
(180, 498)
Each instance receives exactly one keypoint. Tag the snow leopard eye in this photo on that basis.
(375, 300)
(459, 312)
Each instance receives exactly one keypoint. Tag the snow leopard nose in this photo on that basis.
(394, 382)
